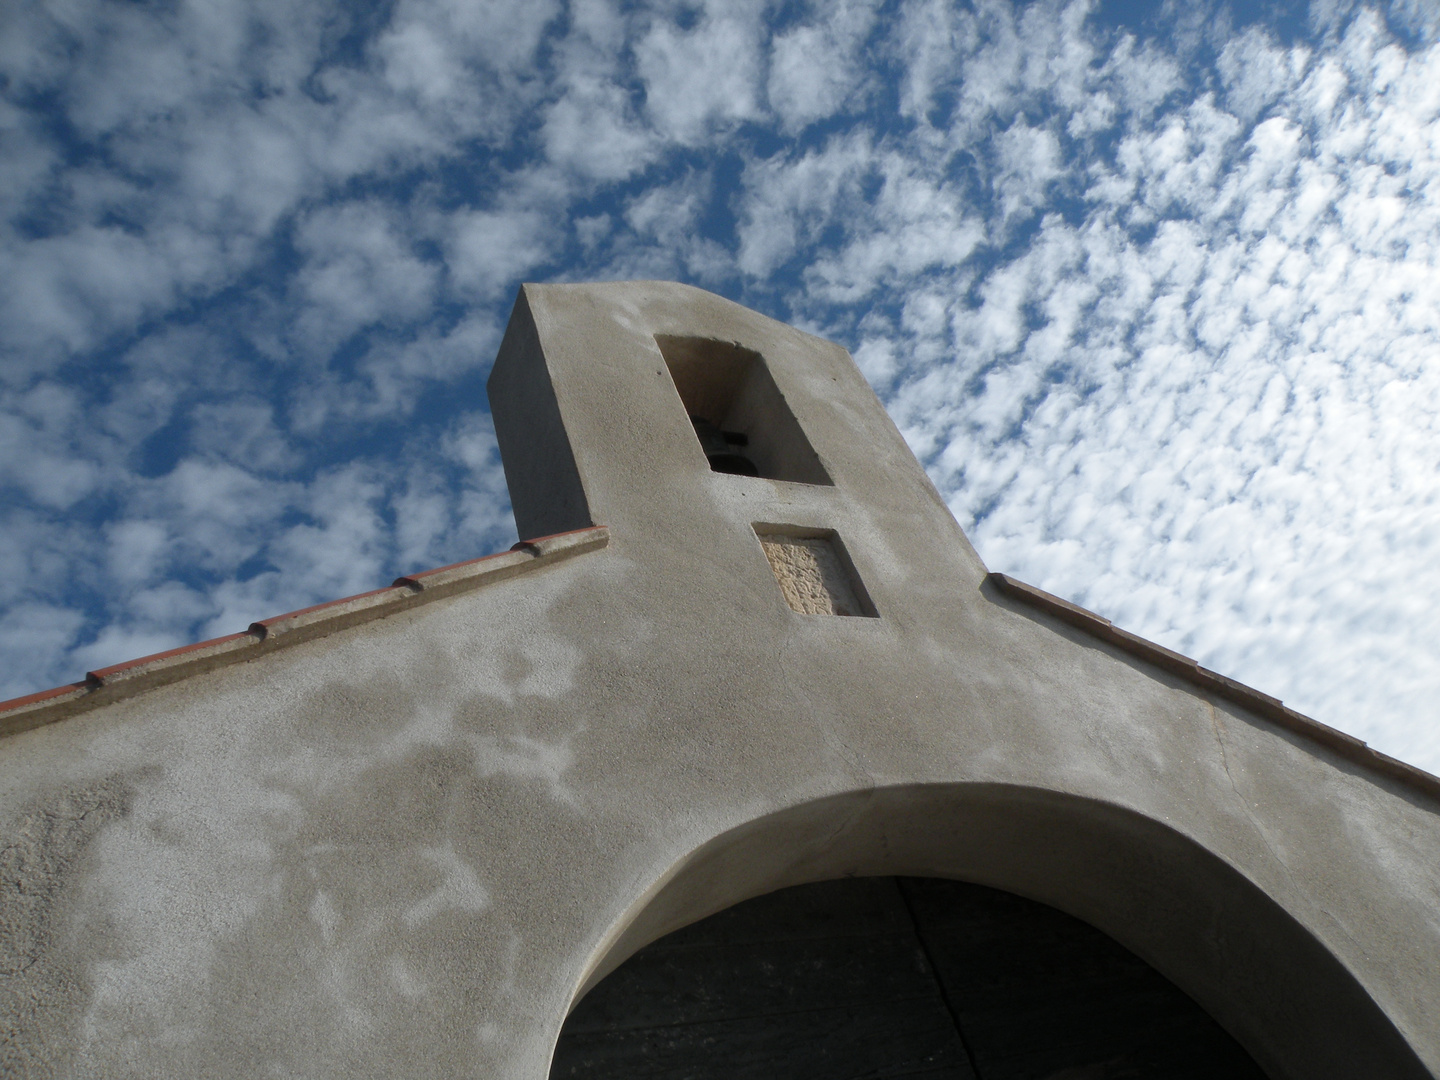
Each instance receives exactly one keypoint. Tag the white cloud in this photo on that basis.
(786, 202)
(666, 223)
(813, 67)
(931, 36)
(499, 35)
(1028, 161)
(594, 128)
(706, 77)
(594, 131)
(360, 269)
(915, 223)
(37, 453)
(398, 372)
(1256, 73)
(27, 159)
(242, 431)
(32, 637)
(591, 230)
(139, 550)
(488, 250)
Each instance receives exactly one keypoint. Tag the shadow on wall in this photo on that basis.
(1179, 908)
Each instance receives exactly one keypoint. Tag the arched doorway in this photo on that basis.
(891, 977)
(1248, 961)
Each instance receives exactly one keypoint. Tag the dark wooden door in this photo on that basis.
(891, 977)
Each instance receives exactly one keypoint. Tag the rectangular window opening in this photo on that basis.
(741, 419)
(814, 571)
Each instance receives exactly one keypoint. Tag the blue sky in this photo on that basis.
(1150, 289)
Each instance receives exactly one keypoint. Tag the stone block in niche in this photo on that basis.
(814, 574)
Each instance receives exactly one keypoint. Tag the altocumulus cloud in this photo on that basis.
(1156, 301)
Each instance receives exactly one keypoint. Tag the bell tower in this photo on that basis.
(687, 423)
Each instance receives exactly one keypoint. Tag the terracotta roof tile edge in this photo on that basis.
(1263, 705)
(119, 681)
(459, 577)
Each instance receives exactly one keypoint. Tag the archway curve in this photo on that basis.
(1181, 908)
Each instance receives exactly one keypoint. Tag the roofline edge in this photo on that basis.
(1261, 704)
(120, 681)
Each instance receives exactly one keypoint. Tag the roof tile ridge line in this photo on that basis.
(119, 681)
(1258, 702)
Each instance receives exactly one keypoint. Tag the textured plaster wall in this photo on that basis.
(279, 859)
(403, 849)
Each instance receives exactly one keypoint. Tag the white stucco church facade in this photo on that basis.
(746, 649)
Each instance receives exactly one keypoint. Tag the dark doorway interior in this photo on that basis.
(891, 977)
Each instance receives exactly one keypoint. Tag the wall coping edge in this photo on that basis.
(1260, 704)
(119, 681)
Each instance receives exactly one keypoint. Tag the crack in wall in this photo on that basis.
(1260, 831)
(1219, 730)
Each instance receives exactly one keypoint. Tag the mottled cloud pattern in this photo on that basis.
(1156, 300)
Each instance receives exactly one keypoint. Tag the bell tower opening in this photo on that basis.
(741, 419)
